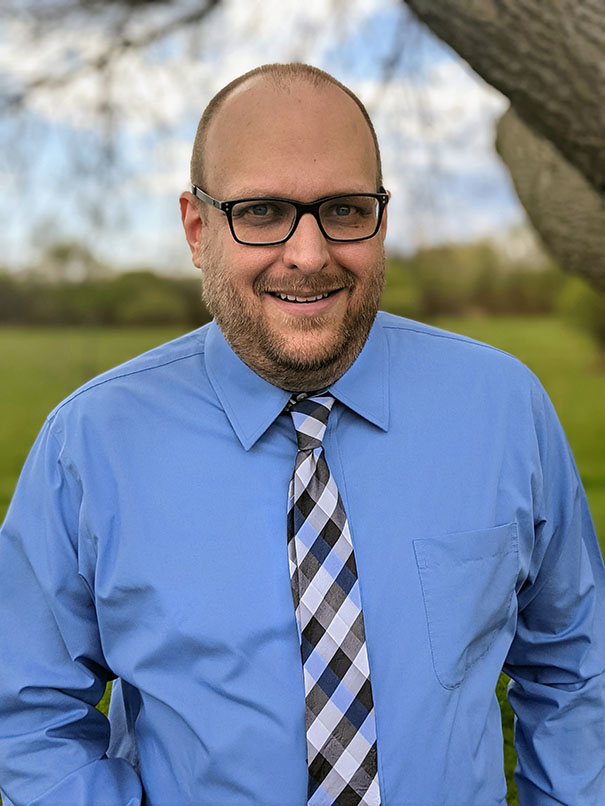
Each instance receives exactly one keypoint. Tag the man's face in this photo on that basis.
(301, 143)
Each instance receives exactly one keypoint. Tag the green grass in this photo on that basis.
(38, 367)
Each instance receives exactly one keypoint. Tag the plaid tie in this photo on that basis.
(341, 730)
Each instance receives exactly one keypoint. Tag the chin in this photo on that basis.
(306, 351)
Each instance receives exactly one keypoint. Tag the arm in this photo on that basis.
(557, 659)
(52, 669)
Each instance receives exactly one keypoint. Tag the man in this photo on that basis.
(300, 609)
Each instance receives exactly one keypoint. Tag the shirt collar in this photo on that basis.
(252, 403)
(364, 387)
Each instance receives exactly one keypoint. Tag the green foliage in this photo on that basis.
(402, 294)
(139, 298)
(446, 277)
(144, 298)
(13, 303)
(70, 286)
(508, 735)
(584, 307)
(469, 279)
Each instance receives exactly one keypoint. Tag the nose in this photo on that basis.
(307, 249)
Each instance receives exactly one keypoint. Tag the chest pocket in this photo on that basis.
(468, 581)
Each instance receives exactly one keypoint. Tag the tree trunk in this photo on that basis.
(568, 214)
(547, 56)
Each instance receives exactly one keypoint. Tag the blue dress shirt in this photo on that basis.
(146, 541)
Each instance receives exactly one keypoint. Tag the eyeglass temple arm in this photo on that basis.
(205, 197)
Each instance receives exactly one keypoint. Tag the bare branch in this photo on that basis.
(118, 44)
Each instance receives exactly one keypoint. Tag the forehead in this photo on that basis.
(296, 139)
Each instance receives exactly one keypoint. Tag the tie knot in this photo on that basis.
(310, 417)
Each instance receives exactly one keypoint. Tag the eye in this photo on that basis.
(258, 210)
(344, 211)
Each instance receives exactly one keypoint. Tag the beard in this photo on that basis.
(314, 351)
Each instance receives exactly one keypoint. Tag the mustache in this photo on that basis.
(317, 283)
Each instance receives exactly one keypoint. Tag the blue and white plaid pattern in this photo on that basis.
(340, 723)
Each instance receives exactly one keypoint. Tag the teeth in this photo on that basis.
(292, 298)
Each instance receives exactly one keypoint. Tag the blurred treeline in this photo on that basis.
(69, 286)
(478, 279)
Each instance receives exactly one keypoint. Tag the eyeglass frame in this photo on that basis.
(300, 208)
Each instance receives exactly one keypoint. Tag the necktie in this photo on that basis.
(340, 723)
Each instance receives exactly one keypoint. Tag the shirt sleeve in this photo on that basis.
(557, 659)
(53, 741)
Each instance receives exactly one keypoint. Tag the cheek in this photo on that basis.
(363, 259)
(223, 261)
(245, 264)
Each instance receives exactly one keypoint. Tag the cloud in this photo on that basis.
(239, 35)
(434, 118)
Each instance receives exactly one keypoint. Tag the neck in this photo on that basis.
(292, 379)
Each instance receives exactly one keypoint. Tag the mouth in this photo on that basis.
(301, 298)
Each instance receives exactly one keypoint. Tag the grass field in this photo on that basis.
(40, 367)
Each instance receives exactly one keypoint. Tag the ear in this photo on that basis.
(192, 224)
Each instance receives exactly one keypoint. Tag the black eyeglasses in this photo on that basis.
(268, 221)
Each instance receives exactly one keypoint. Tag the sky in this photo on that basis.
(434, 119)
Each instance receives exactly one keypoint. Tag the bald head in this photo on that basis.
(275, 91)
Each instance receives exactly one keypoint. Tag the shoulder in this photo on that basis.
(461, 380)
(457, 371)
(430, 348)
(161, 368)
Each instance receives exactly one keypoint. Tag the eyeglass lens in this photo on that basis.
(266, 220)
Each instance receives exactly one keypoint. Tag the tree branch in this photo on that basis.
(100, 63)
(546, 56)
(568, 214)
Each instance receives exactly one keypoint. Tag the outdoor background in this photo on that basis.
(100, 102)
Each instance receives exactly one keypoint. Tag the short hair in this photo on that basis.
(281, 74)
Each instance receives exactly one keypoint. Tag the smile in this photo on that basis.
(293, 298)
